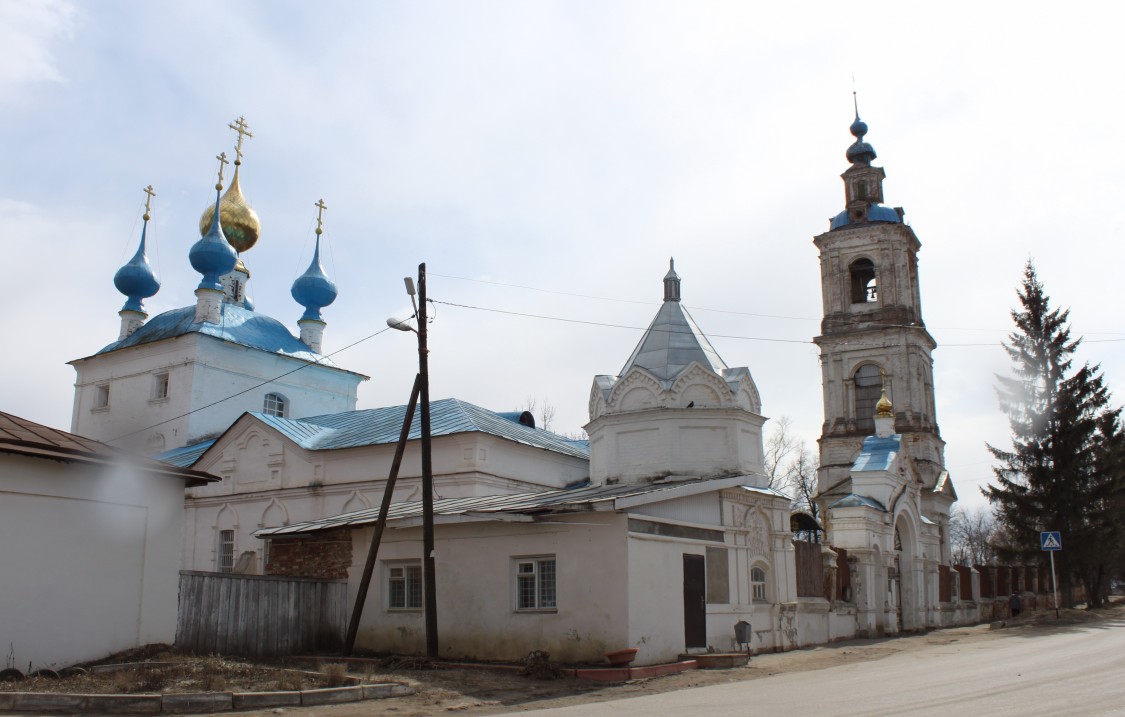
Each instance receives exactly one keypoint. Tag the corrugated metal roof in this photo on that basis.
(185, 456)
(24, 437)
(877, 453)
(551, 501)
(238, 326)
(353, 429)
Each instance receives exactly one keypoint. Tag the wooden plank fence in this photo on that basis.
(259, 616)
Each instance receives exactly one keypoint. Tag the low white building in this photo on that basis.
(91, 542)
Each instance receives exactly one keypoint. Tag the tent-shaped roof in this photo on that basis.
(673, 340)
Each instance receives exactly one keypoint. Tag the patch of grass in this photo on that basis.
(335, 674)
(290, 682)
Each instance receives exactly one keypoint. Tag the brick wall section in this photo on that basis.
(810, 576)
(843, 575)
(945, 584)
(986, 584)
(966, 574)
(320, 555)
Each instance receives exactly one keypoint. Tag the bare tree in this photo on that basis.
(545, 417)
(780, 447)
(972, 532)
(800, 481)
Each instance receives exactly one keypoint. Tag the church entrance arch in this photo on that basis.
(905, 588)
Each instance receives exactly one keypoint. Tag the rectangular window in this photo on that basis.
(535, 583)
(101, 396)
(226, 551)
(404, 586)
(758, 584)
(160, 386)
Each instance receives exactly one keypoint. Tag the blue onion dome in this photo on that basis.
(136, 279)
(213, 256)
(860, 152)
(313, 290)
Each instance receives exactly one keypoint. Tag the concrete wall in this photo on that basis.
(477, 617)
(90, 560)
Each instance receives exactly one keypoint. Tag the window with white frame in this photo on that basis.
(275, 405)
(101, 396)
(226, 551)
(404, 586)
(758, 584)
(535, 583)
(160, 386)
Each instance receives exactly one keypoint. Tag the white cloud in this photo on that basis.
(28, 31)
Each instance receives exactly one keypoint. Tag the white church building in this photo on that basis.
(657, 534)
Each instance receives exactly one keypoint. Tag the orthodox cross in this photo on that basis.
(243, 129)
(320, 207)
(222, 161)
(148, 201)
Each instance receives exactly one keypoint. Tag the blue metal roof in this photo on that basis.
(851, 500)
(185, 456)
(562, 500)
(876, 213)
(238, 326)
(877, 453)
(375, 426)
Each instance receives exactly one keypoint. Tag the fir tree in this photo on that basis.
(1064, 469)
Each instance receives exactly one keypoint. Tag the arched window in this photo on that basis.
(276, 405)
(864, 289)
(758, 584)
(868, 389)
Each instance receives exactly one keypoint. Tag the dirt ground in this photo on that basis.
(489, 692)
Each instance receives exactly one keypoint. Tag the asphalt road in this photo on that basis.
(1066, 670)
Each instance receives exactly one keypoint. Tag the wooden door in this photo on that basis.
(695, 601)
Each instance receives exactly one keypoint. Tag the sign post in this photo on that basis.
(1051, 541)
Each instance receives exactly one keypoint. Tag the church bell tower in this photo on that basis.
(872, 337)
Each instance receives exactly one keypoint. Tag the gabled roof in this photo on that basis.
(671, 342)
(500, 507)
(23, 437)
(239, 326)
(877, 453)
(377, 426)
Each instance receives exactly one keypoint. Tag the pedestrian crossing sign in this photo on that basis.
(1050, 540)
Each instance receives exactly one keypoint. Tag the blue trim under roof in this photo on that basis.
(376, 426)
(851, 500)
(877, 453)
(185, 456)
(238, 326)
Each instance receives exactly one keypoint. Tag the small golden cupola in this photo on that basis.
(239, 221)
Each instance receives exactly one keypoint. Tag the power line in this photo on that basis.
(613, 326)
(742, 313)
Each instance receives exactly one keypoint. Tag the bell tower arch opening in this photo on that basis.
(863, 281)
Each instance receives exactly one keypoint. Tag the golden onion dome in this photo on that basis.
(884, 409)
(239, 221)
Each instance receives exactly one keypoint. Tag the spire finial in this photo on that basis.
(320, 207)
(884, 409)
(243, 129)
(671, 282)
(148, 202)
(222, 162)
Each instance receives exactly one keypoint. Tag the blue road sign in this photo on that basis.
(1050, 540)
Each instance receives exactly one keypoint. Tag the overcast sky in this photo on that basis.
(546, 159)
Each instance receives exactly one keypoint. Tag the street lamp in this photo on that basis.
(429, 572)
